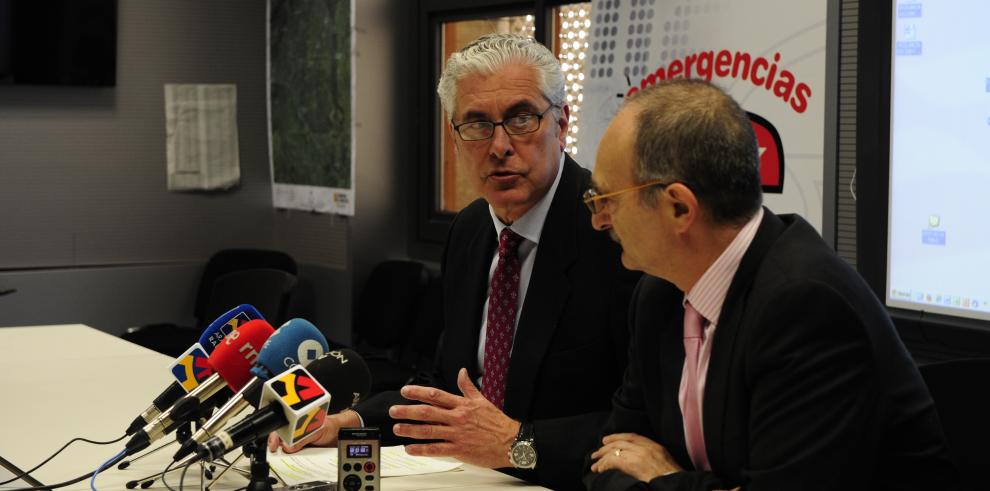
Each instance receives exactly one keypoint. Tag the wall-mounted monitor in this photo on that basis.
(58, 42)
(938, 217)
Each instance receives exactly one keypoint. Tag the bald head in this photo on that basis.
(693, 132)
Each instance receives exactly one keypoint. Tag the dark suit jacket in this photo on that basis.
(571, 342)
(808, 387)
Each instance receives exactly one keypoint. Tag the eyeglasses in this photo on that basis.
(516, 125)
(597, 202)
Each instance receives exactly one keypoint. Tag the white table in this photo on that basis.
(60, 382)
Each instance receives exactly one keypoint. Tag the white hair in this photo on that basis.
(491, 52)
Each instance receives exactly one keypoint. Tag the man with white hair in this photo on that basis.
(534, 298)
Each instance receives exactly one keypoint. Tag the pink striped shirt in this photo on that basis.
(707, 297)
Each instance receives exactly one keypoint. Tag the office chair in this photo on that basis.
(962, 397)
(263, 278)
(231, 260)
(423, 342)
(415, 359)
(268, 290)
(384, 320)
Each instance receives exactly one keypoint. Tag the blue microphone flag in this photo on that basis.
(226, 323)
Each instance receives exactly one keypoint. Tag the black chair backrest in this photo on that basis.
(387, 304)
(268, 290)
(229, 260)
(961, 390)
(429, 322)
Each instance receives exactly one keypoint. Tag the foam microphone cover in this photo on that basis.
(223, 325)
(297, 342)
(232, 359)
(345, 375)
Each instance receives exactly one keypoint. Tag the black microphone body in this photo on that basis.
(260, 424)
(251, 394)
(186, 409)
(165, 400)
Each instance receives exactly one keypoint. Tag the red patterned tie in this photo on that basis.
(690, 395)
(502, 306)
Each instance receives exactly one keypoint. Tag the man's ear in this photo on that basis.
(563, 123)
(453, 136)
(684, 204)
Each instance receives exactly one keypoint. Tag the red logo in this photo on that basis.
(771, 154)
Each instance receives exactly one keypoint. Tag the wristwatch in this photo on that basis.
(522, 453)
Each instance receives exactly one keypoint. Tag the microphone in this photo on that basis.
(296, 403)
(189, 369)
(231, 360)
(297, 342)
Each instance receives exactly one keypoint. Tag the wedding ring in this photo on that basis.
(618, 451)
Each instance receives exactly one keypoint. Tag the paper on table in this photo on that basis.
(321, 464)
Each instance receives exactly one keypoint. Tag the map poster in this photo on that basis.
(310, 105)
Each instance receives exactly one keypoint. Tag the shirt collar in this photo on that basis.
(530, 224)
(708, 294)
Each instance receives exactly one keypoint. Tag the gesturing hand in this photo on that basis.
(471, 428)
(635, 455)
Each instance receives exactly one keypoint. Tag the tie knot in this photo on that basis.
(508, 242)
(693, 322)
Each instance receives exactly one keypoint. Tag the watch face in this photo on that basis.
(523, 456)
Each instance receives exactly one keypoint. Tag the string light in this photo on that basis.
(575, 23)
(522, 25)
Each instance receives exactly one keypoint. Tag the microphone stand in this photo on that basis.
(184, 432)
(258, 451)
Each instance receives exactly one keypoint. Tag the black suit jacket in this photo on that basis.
(570, 346)
(808, 386)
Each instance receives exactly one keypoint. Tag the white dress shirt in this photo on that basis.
(530, 227)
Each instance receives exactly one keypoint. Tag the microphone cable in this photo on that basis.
(108, 463)
(167, 467)
(70, 482)
(52, 456)
(182, 478)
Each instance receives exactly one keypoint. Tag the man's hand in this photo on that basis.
(635, 455)
(473, 430)
(324, 437)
